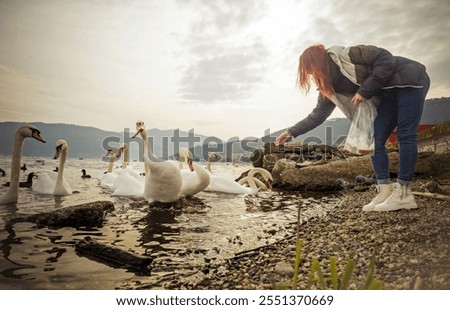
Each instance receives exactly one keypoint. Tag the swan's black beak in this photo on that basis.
(138, 132)
(58, 151)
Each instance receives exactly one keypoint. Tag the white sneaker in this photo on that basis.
(401, 198)
(384, 191)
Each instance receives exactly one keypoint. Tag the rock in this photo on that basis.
(89, 214)
(278, 169)
(269, 161)
(284, 269)
(257, 158)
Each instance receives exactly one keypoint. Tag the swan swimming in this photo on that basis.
(107, 180)
(125, 181)
(193, 183)
(24, 131)
(51, 182)
(226, 185)
(162, 178)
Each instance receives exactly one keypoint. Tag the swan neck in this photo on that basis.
(111, 164)
(251, 180)
(62, 162)
(125, 158)
(149, 158)
(15, 162)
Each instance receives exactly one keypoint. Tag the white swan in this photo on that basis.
(24, 131)
(52, 182)
(211, 156)
(255, 182)
(193, 183)
(107, 180)
(128, 182)
(124, 153)
(225, 185)
(162, 178)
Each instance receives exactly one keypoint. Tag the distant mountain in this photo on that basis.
(91, 142)
(436, 111)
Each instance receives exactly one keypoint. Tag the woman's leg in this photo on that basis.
(410, 103)
(384, 125)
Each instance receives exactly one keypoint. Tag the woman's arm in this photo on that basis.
(321, 112)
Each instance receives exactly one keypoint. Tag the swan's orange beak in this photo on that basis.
(269, 183)
(190, 164)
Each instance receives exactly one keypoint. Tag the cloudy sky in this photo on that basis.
(220, 67)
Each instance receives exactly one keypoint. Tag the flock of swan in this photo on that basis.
(163, 181)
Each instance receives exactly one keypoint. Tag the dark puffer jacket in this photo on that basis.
(368, 70)
(374, 68)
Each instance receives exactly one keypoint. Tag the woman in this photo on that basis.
(365, 72)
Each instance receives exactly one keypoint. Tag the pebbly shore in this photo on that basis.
(411, 249)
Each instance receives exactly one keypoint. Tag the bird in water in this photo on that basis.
(2, 172)
(25, 131)
(28, 183)
(162, 178)
(85, 176)
(51, 182)
(24, 167)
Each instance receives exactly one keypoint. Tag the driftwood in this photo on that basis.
(432, 195)
(113, 254)
(90, 214)
(290, 175)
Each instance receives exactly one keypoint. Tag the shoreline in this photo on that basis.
(411, 248)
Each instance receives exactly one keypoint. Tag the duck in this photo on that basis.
(193, 183)
(85, 176)
(24, 167)
(23, 132)
(28, 183)
(163, 180)
(51, 182)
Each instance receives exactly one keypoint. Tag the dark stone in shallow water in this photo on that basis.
(113, 254)
(91, 214)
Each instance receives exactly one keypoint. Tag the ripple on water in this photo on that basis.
(207, 229)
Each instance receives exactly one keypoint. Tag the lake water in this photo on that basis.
(212, 228)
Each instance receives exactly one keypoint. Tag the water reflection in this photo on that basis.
(207, 229)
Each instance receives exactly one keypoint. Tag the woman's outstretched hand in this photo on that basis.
(357, 99)
(284, 137)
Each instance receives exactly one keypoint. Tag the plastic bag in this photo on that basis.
(360, 134)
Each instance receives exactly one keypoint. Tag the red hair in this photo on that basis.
(313, 64)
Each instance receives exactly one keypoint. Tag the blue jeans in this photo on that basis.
(401, 108)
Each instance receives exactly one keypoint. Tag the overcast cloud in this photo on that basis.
(224, 68)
